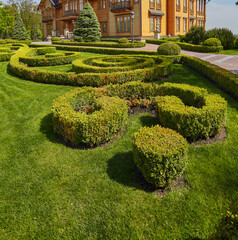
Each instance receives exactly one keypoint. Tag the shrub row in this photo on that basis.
(203, 118)
(87, 79)
(136, 44)
(83, 117)
(44, 50)
(106, 51)
(189, 47)
(50, 60)
(5, 56)
(160, 154)
(6, 41)
(223, 78)
(50, 55)
(5, 49)
(110, 64)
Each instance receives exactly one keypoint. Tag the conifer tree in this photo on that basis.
(87, 26)
(19, 31)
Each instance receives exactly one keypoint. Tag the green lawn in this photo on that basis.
(230, 52)
(51, 191)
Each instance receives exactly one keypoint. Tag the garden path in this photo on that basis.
(229, 62)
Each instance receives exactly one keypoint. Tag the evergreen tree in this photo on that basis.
(19, 31)
(87, 26)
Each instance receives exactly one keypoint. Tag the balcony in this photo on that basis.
(47, 18)
(178, 8)
(70, 13)
(119, 6)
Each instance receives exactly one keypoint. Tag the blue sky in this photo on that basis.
(220, 13)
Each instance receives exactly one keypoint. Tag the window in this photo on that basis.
(178, 5)
(185, 24)
(152, 3)
(80, 5)
(136, 1)
(103, 27)
(99, 5)
(66, 7)
(123, 24)
(155, 23)
(158, 4)
(185, 6)
(191, 22)
(192, 8)
(178, 24)
(104, 4)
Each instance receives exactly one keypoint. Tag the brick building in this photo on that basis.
(173, 17)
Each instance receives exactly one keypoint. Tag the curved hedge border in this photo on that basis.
(189, 47)
(87, 79)
(136, 44)
(44, 50)
(71, 120)
(225, 79)
(160, 154)
(202, 117)
(50, 59)
(5, 56)
(5, 49)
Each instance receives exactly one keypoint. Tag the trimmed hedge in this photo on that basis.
(189, 47)
(136, 44)
(5, 56)
(222, 77)
(50, 60)
(203, 118)
(5, 49)
(84, 117)
(160, 154)
(87, 79)
(44, 50)
(169, 48)
(212, 42)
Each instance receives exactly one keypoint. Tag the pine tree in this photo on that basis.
(19, 31)
(87, 26)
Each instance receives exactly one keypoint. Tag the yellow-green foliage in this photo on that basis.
(44, 50)
(202, 117)
(169, 48)
(5, 49)
(160, 154)
(50, 55)
(106, 116)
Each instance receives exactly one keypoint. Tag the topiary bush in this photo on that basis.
(191, 111)
(212, 42)
(123, 40)
(55, 39)
(84, 116)
(160, 154)
(224, 35)
(169, 48)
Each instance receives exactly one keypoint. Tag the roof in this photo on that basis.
(53, 2)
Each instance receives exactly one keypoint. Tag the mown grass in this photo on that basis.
(50, 191)
(230, 52)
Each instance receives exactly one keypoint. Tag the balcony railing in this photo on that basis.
(70, 13)
(200, 13)
(120, 5)
(47, 17)
(192, 12)
(178, 8)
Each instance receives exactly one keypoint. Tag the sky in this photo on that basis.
(220, 13)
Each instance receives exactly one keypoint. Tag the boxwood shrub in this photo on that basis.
(202, 118)
(212, 42)
(84, 117)
(169, 48)
(189, 47)
(44, 50)
(160, 154)
(5, 56)
(5, 49)
(50, 55)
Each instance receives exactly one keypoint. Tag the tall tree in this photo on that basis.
(87, 26)
(19, 31)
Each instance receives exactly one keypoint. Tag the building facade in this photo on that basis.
(171, 17)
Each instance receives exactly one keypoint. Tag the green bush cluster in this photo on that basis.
(44, 50)
(224, 35)
(84, 117)
(2, 41)
(5, 56)
(136, 44)
(51, 59)
(203, 117)
(225, 79)
(123, 40)
(160, 154)
(169, 48)
(212, 42)
(87, 79)
(189, 47)
(195, 35)
(5, 49)
(55, 39)
(236, 42)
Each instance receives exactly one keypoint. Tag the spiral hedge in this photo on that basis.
(160, 67)
(160, 154)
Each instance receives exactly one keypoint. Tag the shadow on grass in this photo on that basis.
(149, 121)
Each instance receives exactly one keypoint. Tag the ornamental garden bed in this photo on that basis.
(56, 182)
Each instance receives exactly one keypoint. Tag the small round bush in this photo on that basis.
(236, 42)
(169, 48)
(123, 40)
(160, 154)
(55, 39)
(212, 42)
